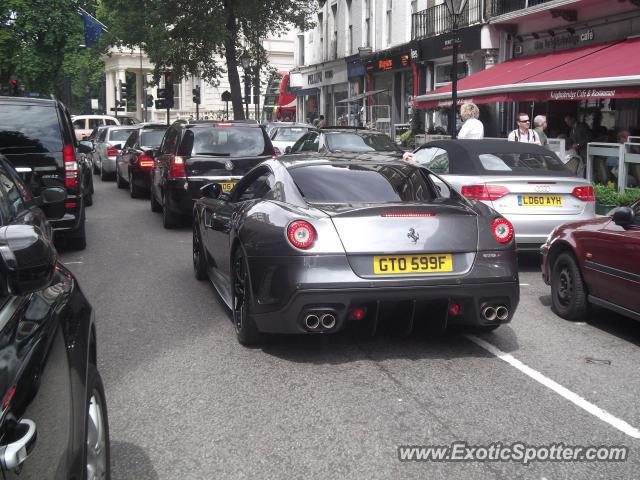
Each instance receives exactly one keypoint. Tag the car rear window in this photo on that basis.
(119, 135)
(290, 134)
(522, 163)
(29, 128)
(351, 142)
(151, 138)
(374, 183)
(226, 141)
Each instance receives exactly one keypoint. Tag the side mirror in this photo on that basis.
(52, 200)
(623, 216)
(27, 258)
(85, 146)
(211, 190)
(287, 150)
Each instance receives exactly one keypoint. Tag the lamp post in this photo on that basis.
(454, 7)
(245, 61)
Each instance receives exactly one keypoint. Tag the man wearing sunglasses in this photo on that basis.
(524, 133)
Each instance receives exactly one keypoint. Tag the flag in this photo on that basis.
(92, 30)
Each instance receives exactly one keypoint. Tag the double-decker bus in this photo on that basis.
(279, 103)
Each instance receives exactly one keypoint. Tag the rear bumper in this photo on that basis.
(72, 217)
(141, 178)
(109, 164)
(181, 194)
(285, 289)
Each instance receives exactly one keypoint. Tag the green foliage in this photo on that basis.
(408, 139)
(609, 195)
(417, 121)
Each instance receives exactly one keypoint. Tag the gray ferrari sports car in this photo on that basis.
(311, 244)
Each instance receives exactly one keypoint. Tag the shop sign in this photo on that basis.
(564, 41)
(582, 94)
(402, 60)
(314, 78)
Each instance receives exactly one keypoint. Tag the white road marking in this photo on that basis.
(71, 263)
(559, 389)
(524, 284)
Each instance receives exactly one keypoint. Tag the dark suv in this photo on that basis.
(193, 154)
(37, 137)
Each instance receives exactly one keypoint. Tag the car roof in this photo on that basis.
(331, 159)
(291, 124)
(49, 102)
(477, 147)
(76, 117)
(218, 123)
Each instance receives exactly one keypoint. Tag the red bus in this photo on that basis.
(279, 103)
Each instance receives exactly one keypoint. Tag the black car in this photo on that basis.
(193, 154)
(350, 141)
(135, 161)
(37, 137)
(307, 245)
(53, 417)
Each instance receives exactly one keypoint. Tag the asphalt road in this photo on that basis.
(187, 401)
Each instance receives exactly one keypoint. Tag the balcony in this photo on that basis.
(496, 8)
(436, 20)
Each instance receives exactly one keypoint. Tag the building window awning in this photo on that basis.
(307, 91)
(610, 70)
(359, 97)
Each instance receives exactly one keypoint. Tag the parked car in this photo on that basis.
(54, 416)
(128, 120)
(596, 262)
(135, 160)
(527, 184)
(357, 142)
(108, 143)
(85, 124)
(286, 135)
(193, 154)
(307, 245)
(36, 136)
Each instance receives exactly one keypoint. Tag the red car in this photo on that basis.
(595, 261)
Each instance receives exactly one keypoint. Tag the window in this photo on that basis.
(289, 134)
(151, 138)
(349, 39)
(522, 163)
(95, 122)
(435, 159)
(309, 143)
(259, 188)
(367, 22)
(79, 124)
(170, 141)
(103, 135)
(119, 134)
(131, 140)
(108, 121)
(414, 6)
(374, 183)
(225, 141)
(14, 201)
(636, 217)
(389, 22)
(31, 128)
(351, 142)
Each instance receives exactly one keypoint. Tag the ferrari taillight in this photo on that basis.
(502, 230)
(301, 234)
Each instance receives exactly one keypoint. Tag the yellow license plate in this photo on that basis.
(227, 186)
(395, 264)
(540, 200)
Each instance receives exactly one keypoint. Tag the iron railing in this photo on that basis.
(500, 7)
(437, 20)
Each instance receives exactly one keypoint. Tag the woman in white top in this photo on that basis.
(472, 127)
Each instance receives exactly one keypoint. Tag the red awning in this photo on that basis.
(610, 70)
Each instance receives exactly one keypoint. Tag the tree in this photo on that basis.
(186, 36)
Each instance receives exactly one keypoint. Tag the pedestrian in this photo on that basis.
(523, 133)
(472, 127)
(540, 124)
(579, 135)
(322, 123)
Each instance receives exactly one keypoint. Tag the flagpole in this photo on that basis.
(82, 11)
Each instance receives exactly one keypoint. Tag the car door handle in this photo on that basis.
(13, 454)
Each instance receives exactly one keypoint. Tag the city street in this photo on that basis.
(185, 400)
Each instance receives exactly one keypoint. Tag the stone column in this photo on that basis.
(109, 94)
(139, 96)
(121, 77)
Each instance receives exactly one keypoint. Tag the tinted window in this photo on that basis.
(14, 200)
(170, 141)
(289, 134)
(259, 188)
(435, 159)
(108, 121)
(522, 163)
(151, 138)
(102, 135)
(32, 128)
(95, 122)
(308, 143)
(362, 184)
(119, 135)
(79, 124)
(352, 142)
(132, 139)
(228, 141)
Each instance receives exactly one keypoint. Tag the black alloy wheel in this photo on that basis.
(246, 331)
(568, 293)
(199, 261)
(97, 449)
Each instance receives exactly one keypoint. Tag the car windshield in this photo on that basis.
(522, 163)
(352, 184)
(120, 134)
(291, 134)
(352, 142)
(151, 138)
(29, 128)
(228, 141)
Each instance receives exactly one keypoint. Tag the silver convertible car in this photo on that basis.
(311, 244)
(526, 183)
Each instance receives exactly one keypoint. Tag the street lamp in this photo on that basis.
(245, 61)
(455, 8)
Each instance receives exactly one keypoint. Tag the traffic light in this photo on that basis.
(149, 101)
(14, 87)
(165, 95)
(196, 95)
(122, 87)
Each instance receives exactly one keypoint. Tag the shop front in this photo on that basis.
(328, 84)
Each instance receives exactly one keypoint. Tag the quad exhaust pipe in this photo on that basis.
(499, 312)
(311, 321)
(328, 321)
(502, 313)
(318, 321)
(489, 313)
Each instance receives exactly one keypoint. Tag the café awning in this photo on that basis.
(609, 70)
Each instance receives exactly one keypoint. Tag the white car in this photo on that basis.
(286, 135)
(85, 124)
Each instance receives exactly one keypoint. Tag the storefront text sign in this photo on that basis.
(583, 94)
(314, 78)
